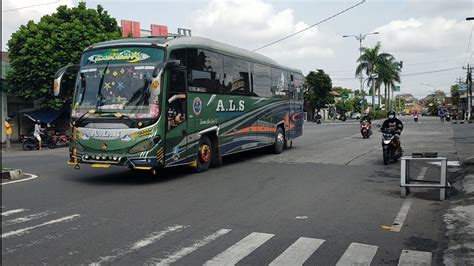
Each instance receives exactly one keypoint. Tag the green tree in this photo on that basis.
(318, 85)
(370, 61)
(388, 73)
(455, 94)
(37, 50)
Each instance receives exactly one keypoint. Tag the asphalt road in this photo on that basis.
(323, 197)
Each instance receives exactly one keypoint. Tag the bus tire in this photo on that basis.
(204, 154)
(279, 141)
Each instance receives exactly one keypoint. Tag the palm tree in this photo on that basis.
(388, 73)
(370, 61)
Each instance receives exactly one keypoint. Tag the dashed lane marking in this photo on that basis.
(10, 212)
(28, 229)
(357, 254)
(401, 216)
(418, 258)
(32, 176)
(240, 250)
(187, 250)
(422, 173)
(298, 252)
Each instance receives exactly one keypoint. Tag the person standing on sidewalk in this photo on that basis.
(8, 127)
(37, 133)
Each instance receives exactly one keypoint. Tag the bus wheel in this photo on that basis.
(279, 141)
(204, 155)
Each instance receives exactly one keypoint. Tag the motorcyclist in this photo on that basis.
(393, 123)
(366, 117)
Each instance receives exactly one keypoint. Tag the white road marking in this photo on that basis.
(25, 218)
(150, 239)
(301, 217)
(402, 214)
(187, 250)
(10, 212)
(240, 250)
(298, 252)
(422, 173)
(449, 163)
(411, 257)
(357, 254)
(27, 229)
(32, 176)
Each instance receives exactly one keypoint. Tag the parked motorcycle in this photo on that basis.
(365, 129)
(389, 146)
(31, 143)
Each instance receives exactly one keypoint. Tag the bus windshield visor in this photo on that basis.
(118, 80)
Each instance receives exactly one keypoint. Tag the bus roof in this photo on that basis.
(197, 42)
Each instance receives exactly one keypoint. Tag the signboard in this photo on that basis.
(345, 96)
(369, 100)
(462, 88)
(396, 88)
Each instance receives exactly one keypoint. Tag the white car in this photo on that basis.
(355, 115)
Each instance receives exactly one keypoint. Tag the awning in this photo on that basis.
(45, 116)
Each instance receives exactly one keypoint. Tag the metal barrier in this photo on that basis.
(406, 182)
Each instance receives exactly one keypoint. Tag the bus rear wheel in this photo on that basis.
(279, 141)
(204, 154)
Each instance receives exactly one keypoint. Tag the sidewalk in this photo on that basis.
(459, 218)
(15, 146)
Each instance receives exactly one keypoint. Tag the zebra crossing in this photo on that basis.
(295, 253)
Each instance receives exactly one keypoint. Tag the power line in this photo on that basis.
(316, 24)
(410, 74)
(468, 45)
(14, 9)
(429, 72)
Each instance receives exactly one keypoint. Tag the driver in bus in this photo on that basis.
(176, 110)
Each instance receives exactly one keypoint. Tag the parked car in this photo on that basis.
(355, 115)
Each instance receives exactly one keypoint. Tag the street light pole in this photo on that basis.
(360, 38)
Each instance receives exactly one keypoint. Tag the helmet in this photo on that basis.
(391, 114)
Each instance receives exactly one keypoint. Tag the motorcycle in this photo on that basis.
(365, 129)
(415, 118)
(317, 119)
(448, 118)
(31, 143)
(389, 146)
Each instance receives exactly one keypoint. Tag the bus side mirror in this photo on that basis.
(155, 86)
(58, 77)
(161, 66)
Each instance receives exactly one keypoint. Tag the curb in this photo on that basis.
(12, 174)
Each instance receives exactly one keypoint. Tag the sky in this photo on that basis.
(427, 35)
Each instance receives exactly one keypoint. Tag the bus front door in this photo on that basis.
(177, 118)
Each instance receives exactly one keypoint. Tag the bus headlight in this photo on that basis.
(144, 145)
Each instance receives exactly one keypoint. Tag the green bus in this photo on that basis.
(155, 102)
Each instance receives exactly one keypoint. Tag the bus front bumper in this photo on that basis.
(98, 161)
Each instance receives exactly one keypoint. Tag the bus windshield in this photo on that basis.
(117, 80)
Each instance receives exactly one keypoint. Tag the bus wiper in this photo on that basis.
(91, 111)
(120, 115)
(100, 97)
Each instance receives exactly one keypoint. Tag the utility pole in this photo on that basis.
(469, 94)
(360, 38)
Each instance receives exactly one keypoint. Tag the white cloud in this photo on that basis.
(424, 35)
(12, 20)
(253, 23)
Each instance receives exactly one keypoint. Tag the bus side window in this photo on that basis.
(237, 79)
(261, 79)
(179, 54)
(206, 71)
(280, 82)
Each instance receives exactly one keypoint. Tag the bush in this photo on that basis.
(378, 114)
